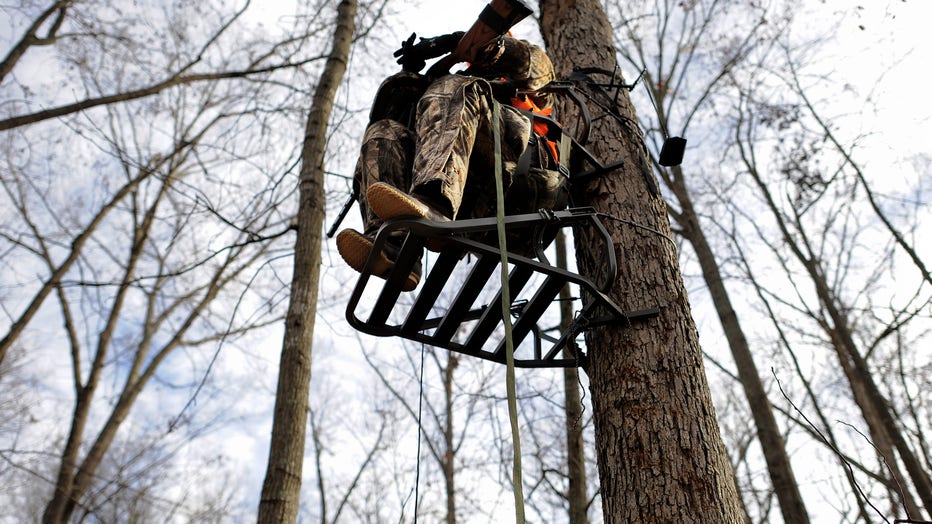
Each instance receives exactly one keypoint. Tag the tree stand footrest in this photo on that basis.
(442, 312)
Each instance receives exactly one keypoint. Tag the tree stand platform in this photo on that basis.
(442, 311)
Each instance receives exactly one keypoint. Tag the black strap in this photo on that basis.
(564, 142)
(501, 24)
(354, 196)
(495, 21)
(564, 148)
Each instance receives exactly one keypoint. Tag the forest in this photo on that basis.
(175, 345)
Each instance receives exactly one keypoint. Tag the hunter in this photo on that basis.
(428, 150)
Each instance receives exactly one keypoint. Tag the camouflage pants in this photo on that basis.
(449, 158)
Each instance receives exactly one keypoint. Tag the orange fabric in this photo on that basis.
(540, 128)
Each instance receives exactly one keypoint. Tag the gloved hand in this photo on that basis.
(413, 57)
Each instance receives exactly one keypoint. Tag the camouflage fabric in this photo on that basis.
(524, 66)
(386, 156)
(448, 159)
(455, 145)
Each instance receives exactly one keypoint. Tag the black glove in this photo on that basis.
(413, 57)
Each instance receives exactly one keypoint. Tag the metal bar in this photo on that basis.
(460, 238)
(493, 315)
(561, 342)
(433, 286)
(472, 314)
(532, 312)
(464, 299)
(411, 251)
(354, 196)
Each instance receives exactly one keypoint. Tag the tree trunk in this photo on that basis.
(659, 451)
(874, 406)
(282, 486)
(879, 438)
(68, 489)
(834, 321)
(54, 511)
(576, 495)
(448, 463)
(784, 483)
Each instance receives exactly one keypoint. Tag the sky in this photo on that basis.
(883, 53)
(901, 125)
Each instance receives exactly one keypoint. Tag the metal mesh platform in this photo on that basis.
(458, 304)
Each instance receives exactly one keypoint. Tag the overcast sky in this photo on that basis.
(882, 52)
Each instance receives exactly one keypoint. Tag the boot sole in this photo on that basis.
(388, 203)
(355, 249)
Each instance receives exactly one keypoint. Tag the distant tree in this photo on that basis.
(322, 423)
(555, 426)
(136, 230)
(282, 487)
(447, 419)
(167, 324)
(577, 495)
(817, 215)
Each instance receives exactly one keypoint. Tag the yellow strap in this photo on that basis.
(506, 316)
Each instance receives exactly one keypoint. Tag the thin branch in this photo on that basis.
(174, 81)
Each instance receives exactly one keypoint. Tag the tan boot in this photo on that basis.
(389, 202)
(355, 247)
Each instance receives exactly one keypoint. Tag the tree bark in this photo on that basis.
(659, 451)
(282, 486)
(448, 463)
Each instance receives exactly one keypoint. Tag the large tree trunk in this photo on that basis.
(659, 451)
(282, 487)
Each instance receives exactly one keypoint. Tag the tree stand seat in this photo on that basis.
(442, 312)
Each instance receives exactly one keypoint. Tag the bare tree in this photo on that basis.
(188, 65)
(282, 487)
(83, 41)
(658, 445)
(682, 83)
(321, 428)
(174, 319)
(557, 427)
(137, 234)
(31, 37)
(577, 493)
(832, 315)
(447, 423)
(820, 206)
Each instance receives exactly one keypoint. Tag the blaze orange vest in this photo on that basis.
(541, 128)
